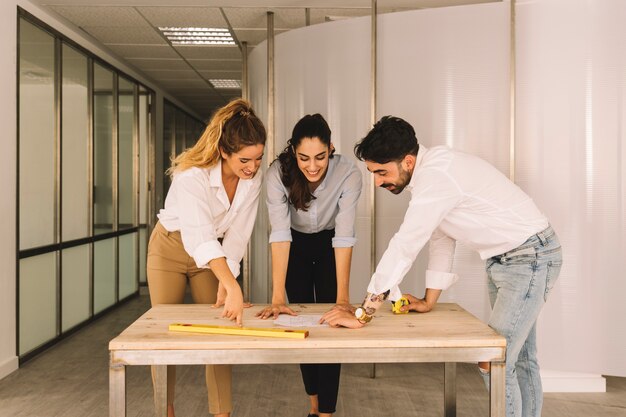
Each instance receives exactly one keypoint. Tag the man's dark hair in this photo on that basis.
(391, 139)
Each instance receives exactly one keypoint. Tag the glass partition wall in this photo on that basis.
(180, 131)
(84, 145)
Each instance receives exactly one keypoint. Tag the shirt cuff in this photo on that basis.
(234, 267)
(438, 280)
(344, 242)
(206, 252)
(394, 293)
(280, 236)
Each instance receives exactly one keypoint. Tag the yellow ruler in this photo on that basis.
(239, 331)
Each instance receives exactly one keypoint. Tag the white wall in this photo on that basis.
(311, 78)
(572, 159)
(446, 71)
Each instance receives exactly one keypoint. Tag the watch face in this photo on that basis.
(359, 312)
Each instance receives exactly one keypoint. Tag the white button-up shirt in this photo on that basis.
(197, 205)
(455, 197)
(334, 205)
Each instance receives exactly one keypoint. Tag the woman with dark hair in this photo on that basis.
(205, 226)
(312, 195)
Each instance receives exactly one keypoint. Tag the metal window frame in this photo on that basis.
(59, 244)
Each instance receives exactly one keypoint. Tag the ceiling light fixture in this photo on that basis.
(226, 83)
(198, 36)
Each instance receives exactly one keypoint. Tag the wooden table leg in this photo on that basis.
(497, 404)
(117, 390)
(160, 390)
(449, 389)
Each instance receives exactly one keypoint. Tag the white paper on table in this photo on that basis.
(302, 320)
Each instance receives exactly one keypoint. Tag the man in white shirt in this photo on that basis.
(459, 197)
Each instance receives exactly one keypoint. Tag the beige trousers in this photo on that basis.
(168, 268)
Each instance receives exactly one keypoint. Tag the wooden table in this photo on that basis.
(447, 334)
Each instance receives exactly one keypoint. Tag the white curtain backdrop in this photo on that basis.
(318, 69)
(446, 71)
(571, 155)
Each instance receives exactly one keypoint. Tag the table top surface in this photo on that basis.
(446, 326)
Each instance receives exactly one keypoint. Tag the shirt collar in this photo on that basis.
(329, 172)
(215, 179)
(215, 174)
(418, 163)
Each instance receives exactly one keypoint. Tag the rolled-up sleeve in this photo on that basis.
(197, 228)
(440, 258)
(434, 194)
(238, 233)
(277, 206)
(345, 236)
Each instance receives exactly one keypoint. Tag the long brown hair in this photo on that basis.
(231, 128)
(310, 126)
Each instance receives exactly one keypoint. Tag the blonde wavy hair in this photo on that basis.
(231, 128)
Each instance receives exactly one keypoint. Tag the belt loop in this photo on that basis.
(542, 236)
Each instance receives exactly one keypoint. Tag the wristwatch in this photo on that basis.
(362, 316)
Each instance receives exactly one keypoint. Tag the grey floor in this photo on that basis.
(71, 379)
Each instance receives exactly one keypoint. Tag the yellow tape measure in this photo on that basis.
(395, 307)
(239, 331)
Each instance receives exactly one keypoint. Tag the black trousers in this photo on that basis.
(312, 278)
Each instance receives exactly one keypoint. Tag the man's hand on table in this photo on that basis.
(416, 304)
(340, 318)
(274, 310)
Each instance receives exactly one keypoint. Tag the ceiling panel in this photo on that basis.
(184, 16)
(209, 52)
(320, 15)
(159, 74)
(254, 36)
(196, 94)
(224, 75)
(143, 51)
(211, 65)
(129, 32)
(158, 63)
(126, 35)
(97, 15)
(188, 82)
(256, 18)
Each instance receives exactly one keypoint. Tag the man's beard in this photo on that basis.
(403, 180)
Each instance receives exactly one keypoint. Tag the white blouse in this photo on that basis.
(197, 205)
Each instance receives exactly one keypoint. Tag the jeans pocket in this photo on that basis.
(519, 256)
(554, 268)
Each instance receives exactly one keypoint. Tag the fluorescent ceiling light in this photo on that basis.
(226, 83)
(198, 36)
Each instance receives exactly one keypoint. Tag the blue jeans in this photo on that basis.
(519, 283)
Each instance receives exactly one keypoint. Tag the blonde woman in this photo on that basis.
(205, 226)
